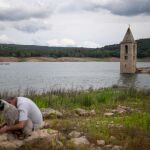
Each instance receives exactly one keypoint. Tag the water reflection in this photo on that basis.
(128, 80)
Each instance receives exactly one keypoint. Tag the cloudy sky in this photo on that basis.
(87, 23)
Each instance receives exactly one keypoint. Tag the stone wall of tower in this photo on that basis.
(128, 57)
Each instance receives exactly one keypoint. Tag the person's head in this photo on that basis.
(1, 105)
(12, 100)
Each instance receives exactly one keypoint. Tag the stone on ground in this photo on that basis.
(93, 147)
(38, 140)
(112, 139)
(118, 126)
(93, 112)
(3, 137)
(107, 147)
(117, 147)
(50, 113)
(108, 114)
(100, 142)
(83, 112)
(81, 141)
(74, 134)
(122, 110)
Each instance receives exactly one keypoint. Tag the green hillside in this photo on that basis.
(143, 46)
(13, 50)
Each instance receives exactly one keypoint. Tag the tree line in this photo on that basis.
(13, 50)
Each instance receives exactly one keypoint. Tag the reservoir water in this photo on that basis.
(69, 75)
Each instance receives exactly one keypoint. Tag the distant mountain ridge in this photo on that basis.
(14, 50)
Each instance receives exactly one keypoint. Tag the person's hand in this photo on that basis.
(3, 130)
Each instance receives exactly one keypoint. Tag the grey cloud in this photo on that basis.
(2, 26)
(29, 26)
(20, 14)
(26, 16)
(118, 7)
(129, 8)
(13, 10)
(32, 26)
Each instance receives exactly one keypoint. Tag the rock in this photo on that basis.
(11, 137)
(42, 138)
(3, 137)
(117, 147)
(123, 109)
(38, 140)
(59, 144)
(13, 145)
(93, 112)
(50, 113)
(108, 147)
(112, 139)
(46, 125)
(121, 112)
(74, 134)
(81, 141)
(114, 111)
(100, 142)
(98, 148)
(83, 112)
(93, 147)
(108, 114)
(119, 126)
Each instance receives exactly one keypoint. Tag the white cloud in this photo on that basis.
(4, 5)
(62, 42)
(89, 44)
(71, 43)
(4, 39)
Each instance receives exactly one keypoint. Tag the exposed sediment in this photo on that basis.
(143, 70)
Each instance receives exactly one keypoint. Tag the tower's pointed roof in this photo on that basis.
(128, 38)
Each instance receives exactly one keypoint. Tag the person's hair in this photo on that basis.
(1, 106)
(10, 98)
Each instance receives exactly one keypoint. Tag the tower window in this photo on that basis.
(125, 57)
(126, 49)
(133, 49)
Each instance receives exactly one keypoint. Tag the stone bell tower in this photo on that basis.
(128, 53)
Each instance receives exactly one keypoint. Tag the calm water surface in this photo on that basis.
(51, 75)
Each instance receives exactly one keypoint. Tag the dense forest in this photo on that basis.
(12, 50)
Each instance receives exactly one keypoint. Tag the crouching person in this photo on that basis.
(29, 116)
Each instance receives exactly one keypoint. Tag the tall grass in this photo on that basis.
(62, 98)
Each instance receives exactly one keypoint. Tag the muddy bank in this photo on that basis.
(64, 59)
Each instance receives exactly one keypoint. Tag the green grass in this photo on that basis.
(93, 99)
(136, 125)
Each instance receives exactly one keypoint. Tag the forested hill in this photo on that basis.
(143, 47)
(12, 50)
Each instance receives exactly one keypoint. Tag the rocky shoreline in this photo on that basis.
(54, 139)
